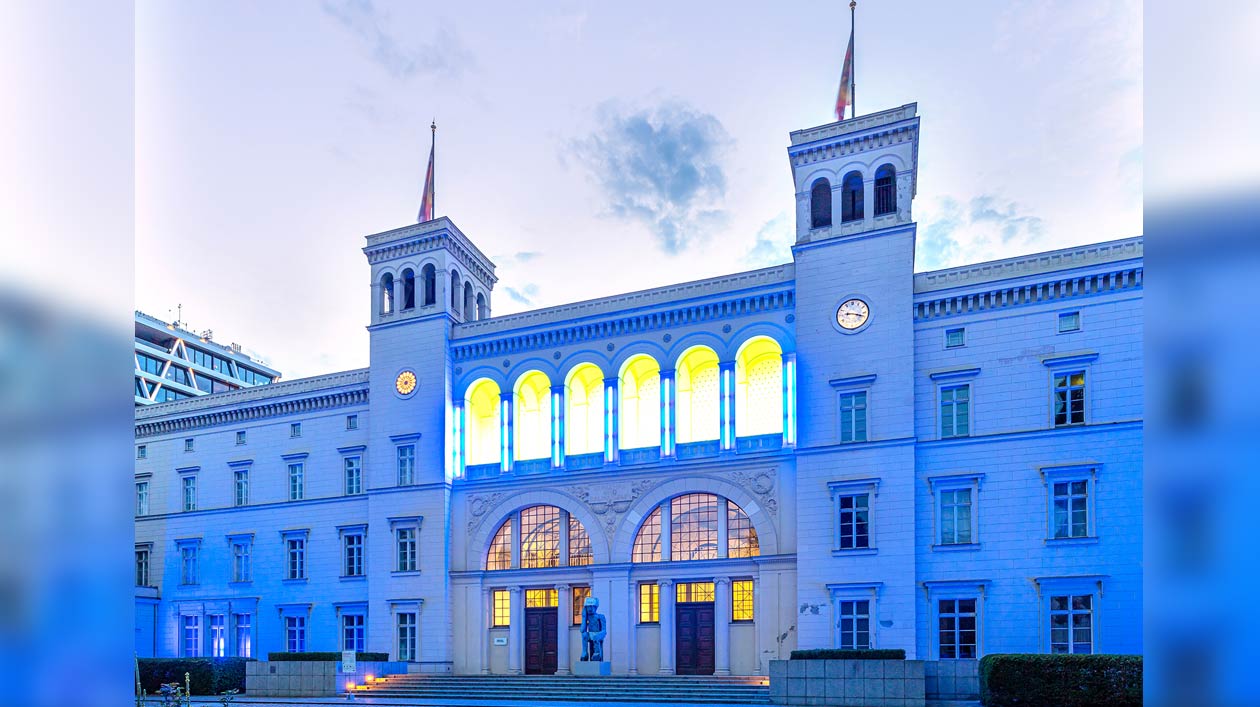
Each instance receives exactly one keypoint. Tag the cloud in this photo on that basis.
(525, 295)
(444, 55)
(773, 244)
(523, 256)
(660, 166)
(985, 228)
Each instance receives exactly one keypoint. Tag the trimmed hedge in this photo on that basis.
(1031, 680)
(207, 676)
(850, 654)
(325, 656)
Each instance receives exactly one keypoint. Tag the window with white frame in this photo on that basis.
(353, 633)
(142, 498)
(853, 416)
(244, 635)
(1069, 398)
(955, 509)
(1069, 505)
(188, 563)
(242, 549)
(240, 487)
(352, 422)
(240, 436)
(216, 626)
(956, 628)
(188, 444)
(853, 610)
(295, 429)
(190, 630)
(406, 636)
(297, 481)
(190, 493)
(295, 634)
(956, 410)
(1071, 623)
(354, 475)
(406, 464)
(406, 539)
(854, 520)
(352, 553)
(142, 451)
(955, 338)
(1069, 321)
(143, 554)
(295, 557)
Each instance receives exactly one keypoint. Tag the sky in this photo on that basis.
(590, 149)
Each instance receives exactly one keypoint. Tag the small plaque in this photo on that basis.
(348, 664)
(500, 640)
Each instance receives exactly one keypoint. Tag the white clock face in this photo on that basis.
(852, 314)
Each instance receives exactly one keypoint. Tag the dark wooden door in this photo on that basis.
(693, 649)
(541, 641)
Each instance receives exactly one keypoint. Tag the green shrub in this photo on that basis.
(1032, 680)
(207, 676)
(850, 654)
(324, 656)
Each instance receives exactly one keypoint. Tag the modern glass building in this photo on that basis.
(173, 364)
(835, 451)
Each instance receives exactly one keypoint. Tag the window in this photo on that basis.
(142, 498)
(853, 629)
(955, 516)
(532, 418)
(240, 437)
(428, 282)
(353, 545)
(697, 406)
(455, 292)
(188, 444)
(649, 603)
(579, 598)
(406, 465)
(191, 636)
(295, 634)
(694, 592)
(759, 388)
(353, 636)
(482, 431)
(820, 204)
(500, 555)
(1070, 504)
(142, 452)
(853, 417)
(297, 481)
(241, 571)
(854, 521)
(295, 549)
(240, 480)
(352, 422)
(190, 493)
(407, 636)
(540, 537)
(955, 338)
(584, 398)
(142, 567)
(217, 625)
(1069, 399)
(188, 564)
(647, 544)
(502, 608)
(885, 190)
(851, 197)
(742, 600)
(693, 530)
(956, 622)
(1069, 321)
(1072, 623)
(295, 429)
(541, 598)
(955, 410)
(741, 535)
(354, 475)
(693, 527)
(639, 413)
(406, 539)
(244, 635)
(408, 289)
(579, 544)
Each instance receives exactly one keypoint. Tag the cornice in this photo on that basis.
(428, 236)
(358, 376)
(1052, 290)
(1029, 265)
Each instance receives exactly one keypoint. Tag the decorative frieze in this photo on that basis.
(1031, 293)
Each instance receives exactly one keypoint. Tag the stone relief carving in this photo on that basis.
(610, 501)
(478, 504)
(761, 483)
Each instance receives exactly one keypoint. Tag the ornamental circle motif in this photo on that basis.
(506, 363)
(790, 318)
(667, 338)
(459, 370)
(726, 329)
(556, 355)
(610, 347)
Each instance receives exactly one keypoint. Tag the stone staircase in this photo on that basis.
(704, 689)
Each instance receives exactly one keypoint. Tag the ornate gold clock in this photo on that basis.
(405, 383)
(852, 314)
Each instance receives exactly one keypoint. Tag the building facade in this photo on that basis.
(173, 363)
(836, 451)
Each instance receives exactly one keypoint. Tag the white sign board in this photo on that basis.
(348, 665)
(500, 641)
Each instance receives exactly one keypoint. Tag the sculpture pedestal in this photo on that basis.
(586, 668)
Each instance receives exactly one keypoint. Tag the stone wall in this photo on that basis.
(848, 683)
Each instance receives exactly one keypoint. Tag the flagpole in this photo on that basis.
(433, 152)
(853, 65)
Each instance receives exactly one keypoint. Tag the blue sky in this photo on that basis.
(591, 150)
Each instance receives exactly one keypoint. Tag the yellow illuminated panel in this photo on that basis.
(649, 603)
(482, 428)
(502, 607)
(742, 600)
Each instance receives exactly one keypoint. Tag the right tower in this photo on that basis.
(854, 253)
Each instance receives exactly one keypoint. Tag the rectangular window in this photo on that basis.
(354, 475)
(502, 608)
(240, 481)
(142, 452)
(855, 515)
(956, 623)
(955, 338)
(407, 465)
(188, 564)
(190, 493)
(142, 567)
(955, 410)
(240, 437)
(191, 636)
(353, 555)
(1069, 399)
(188, 444)
(142, 498)
(295, 429)
(406, 549)
(353, 633)
(742, 600)
(295, 634)
(1069, 321)
(853, 417)
(297, 481)
(244, 635)
(241, 571)
(1071, 509)
(853, 630)
(694, 591)
(352, 422)
(956, 516)
(542, 598)
(217, 626)
(579, 598)
(407, 635)
(295, 548)
(649, 603)
(1072, 623)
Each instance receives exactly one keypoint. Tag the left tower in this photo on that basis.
(426, 279)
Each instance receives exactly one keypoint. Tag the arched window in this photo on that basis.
(694, 531)
(455, 292)
(820, 204)
(481, 430)
(851, 198)
(540, 528)
(428, 279)
(885, 190)
(696, 410)
(470, 302)
(482, 310)
(532, 419)
(759, 388)
(387, 293)
(584, 396)
(409, 289)
(640, 409)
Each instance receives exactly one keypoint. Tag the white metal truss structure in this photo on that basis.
(173, 364)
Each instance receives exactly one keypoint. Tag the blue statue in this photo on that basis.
(594, 628)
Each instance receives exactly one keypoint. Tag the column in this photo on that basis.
(758, 623)
(726, 370)
(868, 201)
(507, 410)
(723, 530)
(487, 606)
(667, 626)
(667, 531)
(564, 538)
(611, 403)
(668, 417)
(516, 539)
(721, 625)
(632, 629)
(557, 426)
(563, 622)
(516, 642)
